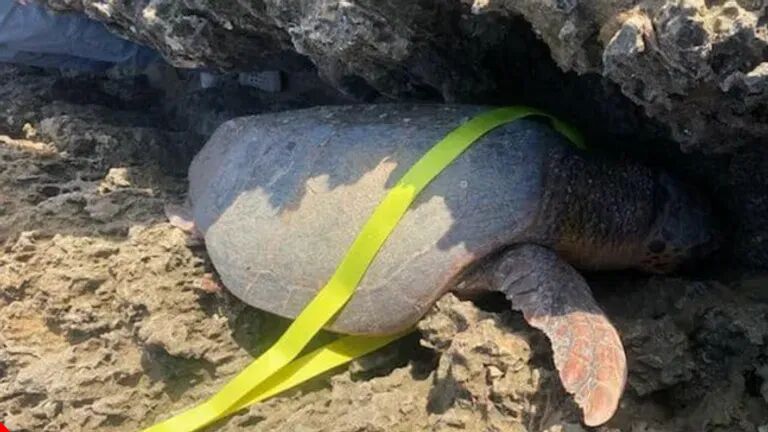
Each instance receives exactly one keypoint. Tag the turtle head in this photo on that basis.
(684, 227)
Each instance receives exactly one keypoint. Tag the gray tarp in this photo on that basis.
(33, 35)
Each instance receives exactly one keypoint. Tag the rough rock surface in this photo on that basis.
(698, 66)
(112, 319)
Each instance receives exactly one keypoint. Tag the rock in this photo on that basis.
(699, 67)
(25, 243)
(116, 178)
(763, 373)
(662, 355)
(485, 371)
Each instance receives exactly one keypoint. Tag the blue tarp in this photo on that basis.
(33, 35)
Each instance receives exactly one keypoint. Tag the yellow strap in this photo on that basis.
(259, 379)
(325, 358)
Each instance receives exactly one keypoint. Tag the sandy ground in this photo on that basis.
(112, 320)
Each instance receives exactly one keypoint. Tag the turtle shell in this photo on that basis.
(280, 197)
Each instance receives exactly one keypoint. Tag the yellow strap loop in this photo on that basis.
(273, 371)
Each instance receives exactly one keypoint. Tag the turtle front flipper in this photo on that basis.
(556, 299)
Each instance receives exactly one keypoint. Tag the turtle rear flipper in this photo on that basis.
(180, 216)
(555, 299)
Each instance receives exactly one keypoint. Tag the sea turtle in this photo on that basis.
(280, 197)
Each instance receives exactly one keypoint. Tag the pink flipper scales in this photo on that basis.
(555, 299)
(180, 217)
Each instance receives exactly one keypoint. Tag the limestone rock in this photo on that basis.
(700, 67)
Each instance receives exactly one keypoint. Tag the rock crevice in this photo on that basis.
(698, 66)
